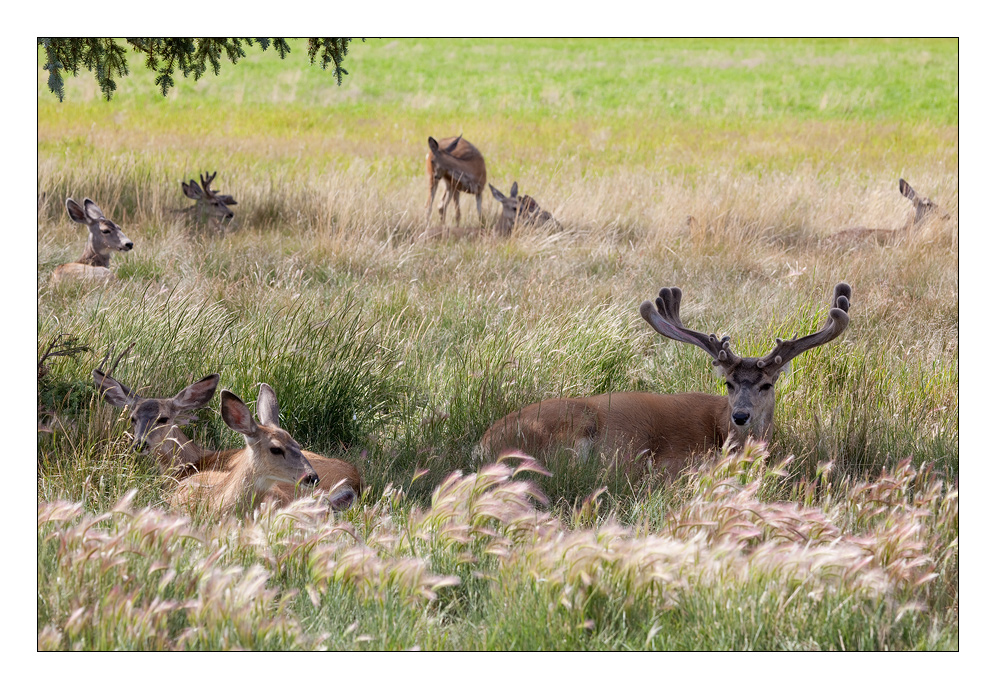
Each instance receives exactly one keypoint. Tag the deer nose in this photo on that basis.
(309, 479)
(740, 418)
(128, 246)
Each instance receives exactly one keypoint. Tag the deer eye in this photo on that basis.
(765, 387)
(730, 386)
(276, 451)
(162, 420)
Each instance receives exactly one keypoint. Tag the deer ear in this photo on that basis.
(93, 210)
(496, 193)
(236, 415)
(114, 392)
(786, 369)
(341, 497)
(907, 190)
(514, 192)
(189, 192)
(433, 146)
(197, 394)
(266, 406)
(76, 211)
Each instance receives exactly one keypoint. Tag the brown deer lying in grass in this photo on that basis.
(521, 210)
(209, 202)
(105, 237)
(667, 429)
(924, 208)
(461, 166)
(155, 426)
(270, 456)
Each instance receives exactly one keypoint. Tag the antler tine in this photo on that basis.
(664, 317)
(837, 321)
(107, 356)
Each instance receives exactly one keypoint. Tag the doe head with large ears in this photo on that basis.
(105, 234)
(153, 419)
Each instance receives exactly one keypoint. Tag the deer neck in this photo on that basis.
(92, 257)
(243, 487)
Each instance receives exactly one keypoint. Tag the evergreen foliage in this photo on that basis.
(106, 57)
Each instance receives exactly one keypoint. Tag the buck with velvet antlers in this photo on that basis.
(155, 427)
(209, 202)
(105, 237)
(519, 210)
(461, 166)
(667, 429)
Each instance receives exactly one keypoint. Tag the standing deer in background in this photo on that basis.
(668, 429)
(105, 237)
(924, 208)
(523, 210)
(209, 202)
(461, 166)
(155, 426)
(270, 456)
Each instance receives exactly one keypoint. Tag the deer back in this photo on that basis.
(629, 425)
(459, 162)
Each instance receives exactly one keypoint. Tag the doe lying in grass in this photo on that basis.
(270, 456)
(519, 210)
(668, 429)
(155, 427)
(105, 237)
(924, 208)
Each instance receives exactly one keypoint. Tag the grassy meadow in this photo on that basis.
(394, 345)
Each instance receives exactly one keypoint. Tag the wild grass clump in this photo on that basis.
(867, 567)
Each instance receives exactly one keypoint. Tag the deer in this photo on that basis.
(667, 429)
(270, 456)
(523, 210)
(105, 237)
(461, 166)
(208, 202)
(155, 427)
(924, 208)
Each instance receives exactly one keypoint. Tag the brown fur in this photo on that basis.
(665, 428)
(461, 166)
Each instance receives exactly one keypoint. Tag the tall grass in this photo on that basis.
(396, 349)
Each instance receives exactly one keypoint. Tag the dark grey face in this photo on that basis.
(151, 421)
(111, 236)
(751, 396)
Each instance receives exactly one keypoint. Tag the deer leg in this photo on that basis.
(433, 184)
(447, 191)
(456, 204)
(481, 219)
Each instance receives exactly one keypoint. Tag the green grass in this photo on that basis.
(396, 352)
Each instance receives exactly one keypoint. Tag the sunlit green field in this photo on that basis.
(395, 345)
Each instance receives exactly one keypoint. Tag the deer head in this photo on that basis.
(155, 421)
(923, 206)
(750, 381)
(209, 201)
(518, 209)
(105, 235)
(270, 453)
